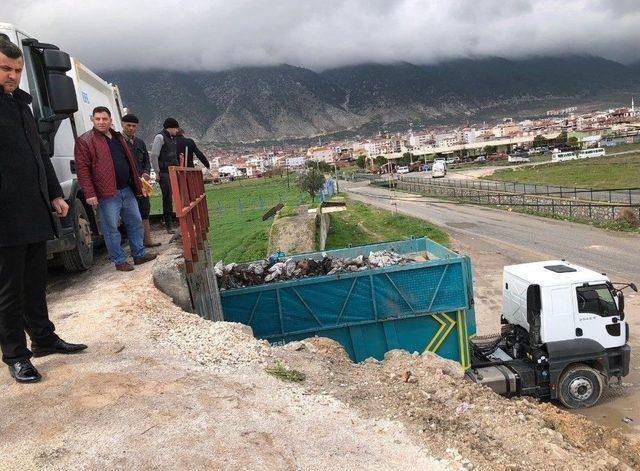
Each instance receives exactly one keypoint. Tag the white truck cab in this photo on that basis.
(64, 94)
(577, 303)
(563, 336)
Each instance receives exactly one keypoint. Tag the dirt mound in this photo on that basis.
(456, 419)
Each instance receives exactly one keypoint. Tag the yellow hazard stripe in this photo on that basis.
(450, 327)
(463, 340)
(442, 328)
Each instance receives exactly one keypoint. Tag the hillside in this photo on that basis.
(263, 103)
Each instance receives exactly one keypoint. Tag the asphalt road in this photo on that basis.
(617, 253)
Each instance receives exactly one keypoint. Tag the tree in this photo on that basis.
(320, 165)
(572, 141)
(310, 182)
(380, 160)
(540, 141)
(490, 150)
(361, 161)
(561, 140)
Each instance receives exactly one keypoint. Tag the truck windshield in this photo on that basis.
(596, 299)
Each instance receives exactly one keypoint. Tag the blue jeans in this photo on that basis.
(123, 205)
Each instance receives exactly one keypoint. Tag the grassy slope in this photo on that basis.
(237, 231)
(364, 224)
(600, 172)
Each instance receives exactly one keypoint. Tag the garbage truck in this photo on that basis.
(564, 335)
(64, 94)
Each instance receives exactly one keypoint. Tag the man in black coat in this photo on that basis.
(188, 148)
(29, 190)
(141, 156)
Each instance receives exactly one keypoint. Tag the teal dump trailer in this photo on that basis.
(416, 306)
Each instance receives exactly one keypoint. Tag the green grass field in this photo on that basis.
(364, 224)
(600, 172)
(237, 231)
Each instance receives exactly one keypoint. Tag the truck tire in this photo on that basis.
(80, 258)
(580, 386)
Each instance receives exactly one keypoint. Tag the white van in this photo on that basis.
(403, 169)
(439, 169)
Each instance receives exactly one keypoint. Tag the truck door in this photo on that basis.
(597, 315)
(557, 315)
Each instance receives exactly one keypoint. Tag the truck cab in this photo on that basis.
(64, 94)
(564, 335)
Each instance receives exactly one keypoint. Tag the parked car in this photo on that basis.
(480, 159)
(403, 169)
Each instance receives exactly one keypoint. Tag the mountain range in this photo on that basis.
(284, 102)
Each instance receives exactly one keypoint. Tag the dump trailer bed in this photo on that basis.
(417, 306)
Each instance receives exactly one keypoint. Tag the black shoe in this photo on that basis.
(24, 372)
(59, 346)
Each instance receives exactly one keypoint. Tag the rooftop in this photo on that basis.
(539, 273)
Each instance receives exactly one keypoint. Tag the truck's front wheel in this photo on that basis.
(580, 386)
(80, 258)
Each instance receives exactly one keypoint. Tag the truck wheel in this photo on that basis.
(580, 386)
(80, 258)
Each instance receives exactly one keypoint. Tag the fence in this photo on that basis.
(610, 195)
(539, 202)
(190, 205)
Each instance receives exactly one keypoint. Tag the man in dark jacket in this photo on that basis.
(164, 154)
(29, 190)
(108, 176)
(188, 148)
(141, 156)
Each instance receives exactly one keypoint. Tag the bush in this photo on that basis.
(629, 216)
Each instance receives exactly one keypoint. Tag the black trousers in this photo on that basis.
(23, 303)
(144, 205)
(167, 205)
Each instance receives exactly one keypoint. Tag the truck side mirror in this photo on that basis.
(621, 305)
(62, 92)
(534, 304)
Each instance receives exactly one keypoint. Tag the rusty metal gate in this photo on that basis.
(190, 204)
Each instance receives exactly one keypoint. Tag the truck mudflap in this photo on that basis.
(65, 240)
(619, 360)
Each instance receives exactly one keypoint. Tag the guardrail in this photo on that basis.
(538, 202)
(190, 205)
(611, 195)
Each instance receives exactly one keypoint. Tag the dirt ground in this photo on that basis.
(293, 234)
(161, 388)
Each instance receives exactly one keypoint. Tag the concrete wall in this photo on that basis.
(323, 222)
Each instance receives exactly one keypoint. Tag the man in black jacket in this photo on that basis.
(139, 150)
(164, 155)
(29, 190)
(188, 148)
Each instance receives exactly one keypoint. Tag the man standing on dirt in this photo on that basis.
(141, 156)
(29, 190)
(164, 154)
(108, 176)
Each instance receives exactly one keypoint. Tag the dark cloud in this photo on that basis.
(217, 34)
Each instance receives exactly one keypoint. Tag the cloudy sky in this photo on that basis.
(221, 34)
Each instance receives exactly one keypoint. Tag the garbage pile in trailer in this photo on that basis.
(274, 268)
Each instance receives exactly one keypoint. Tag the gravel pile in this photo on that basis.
(235, 275)
(223, 346)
